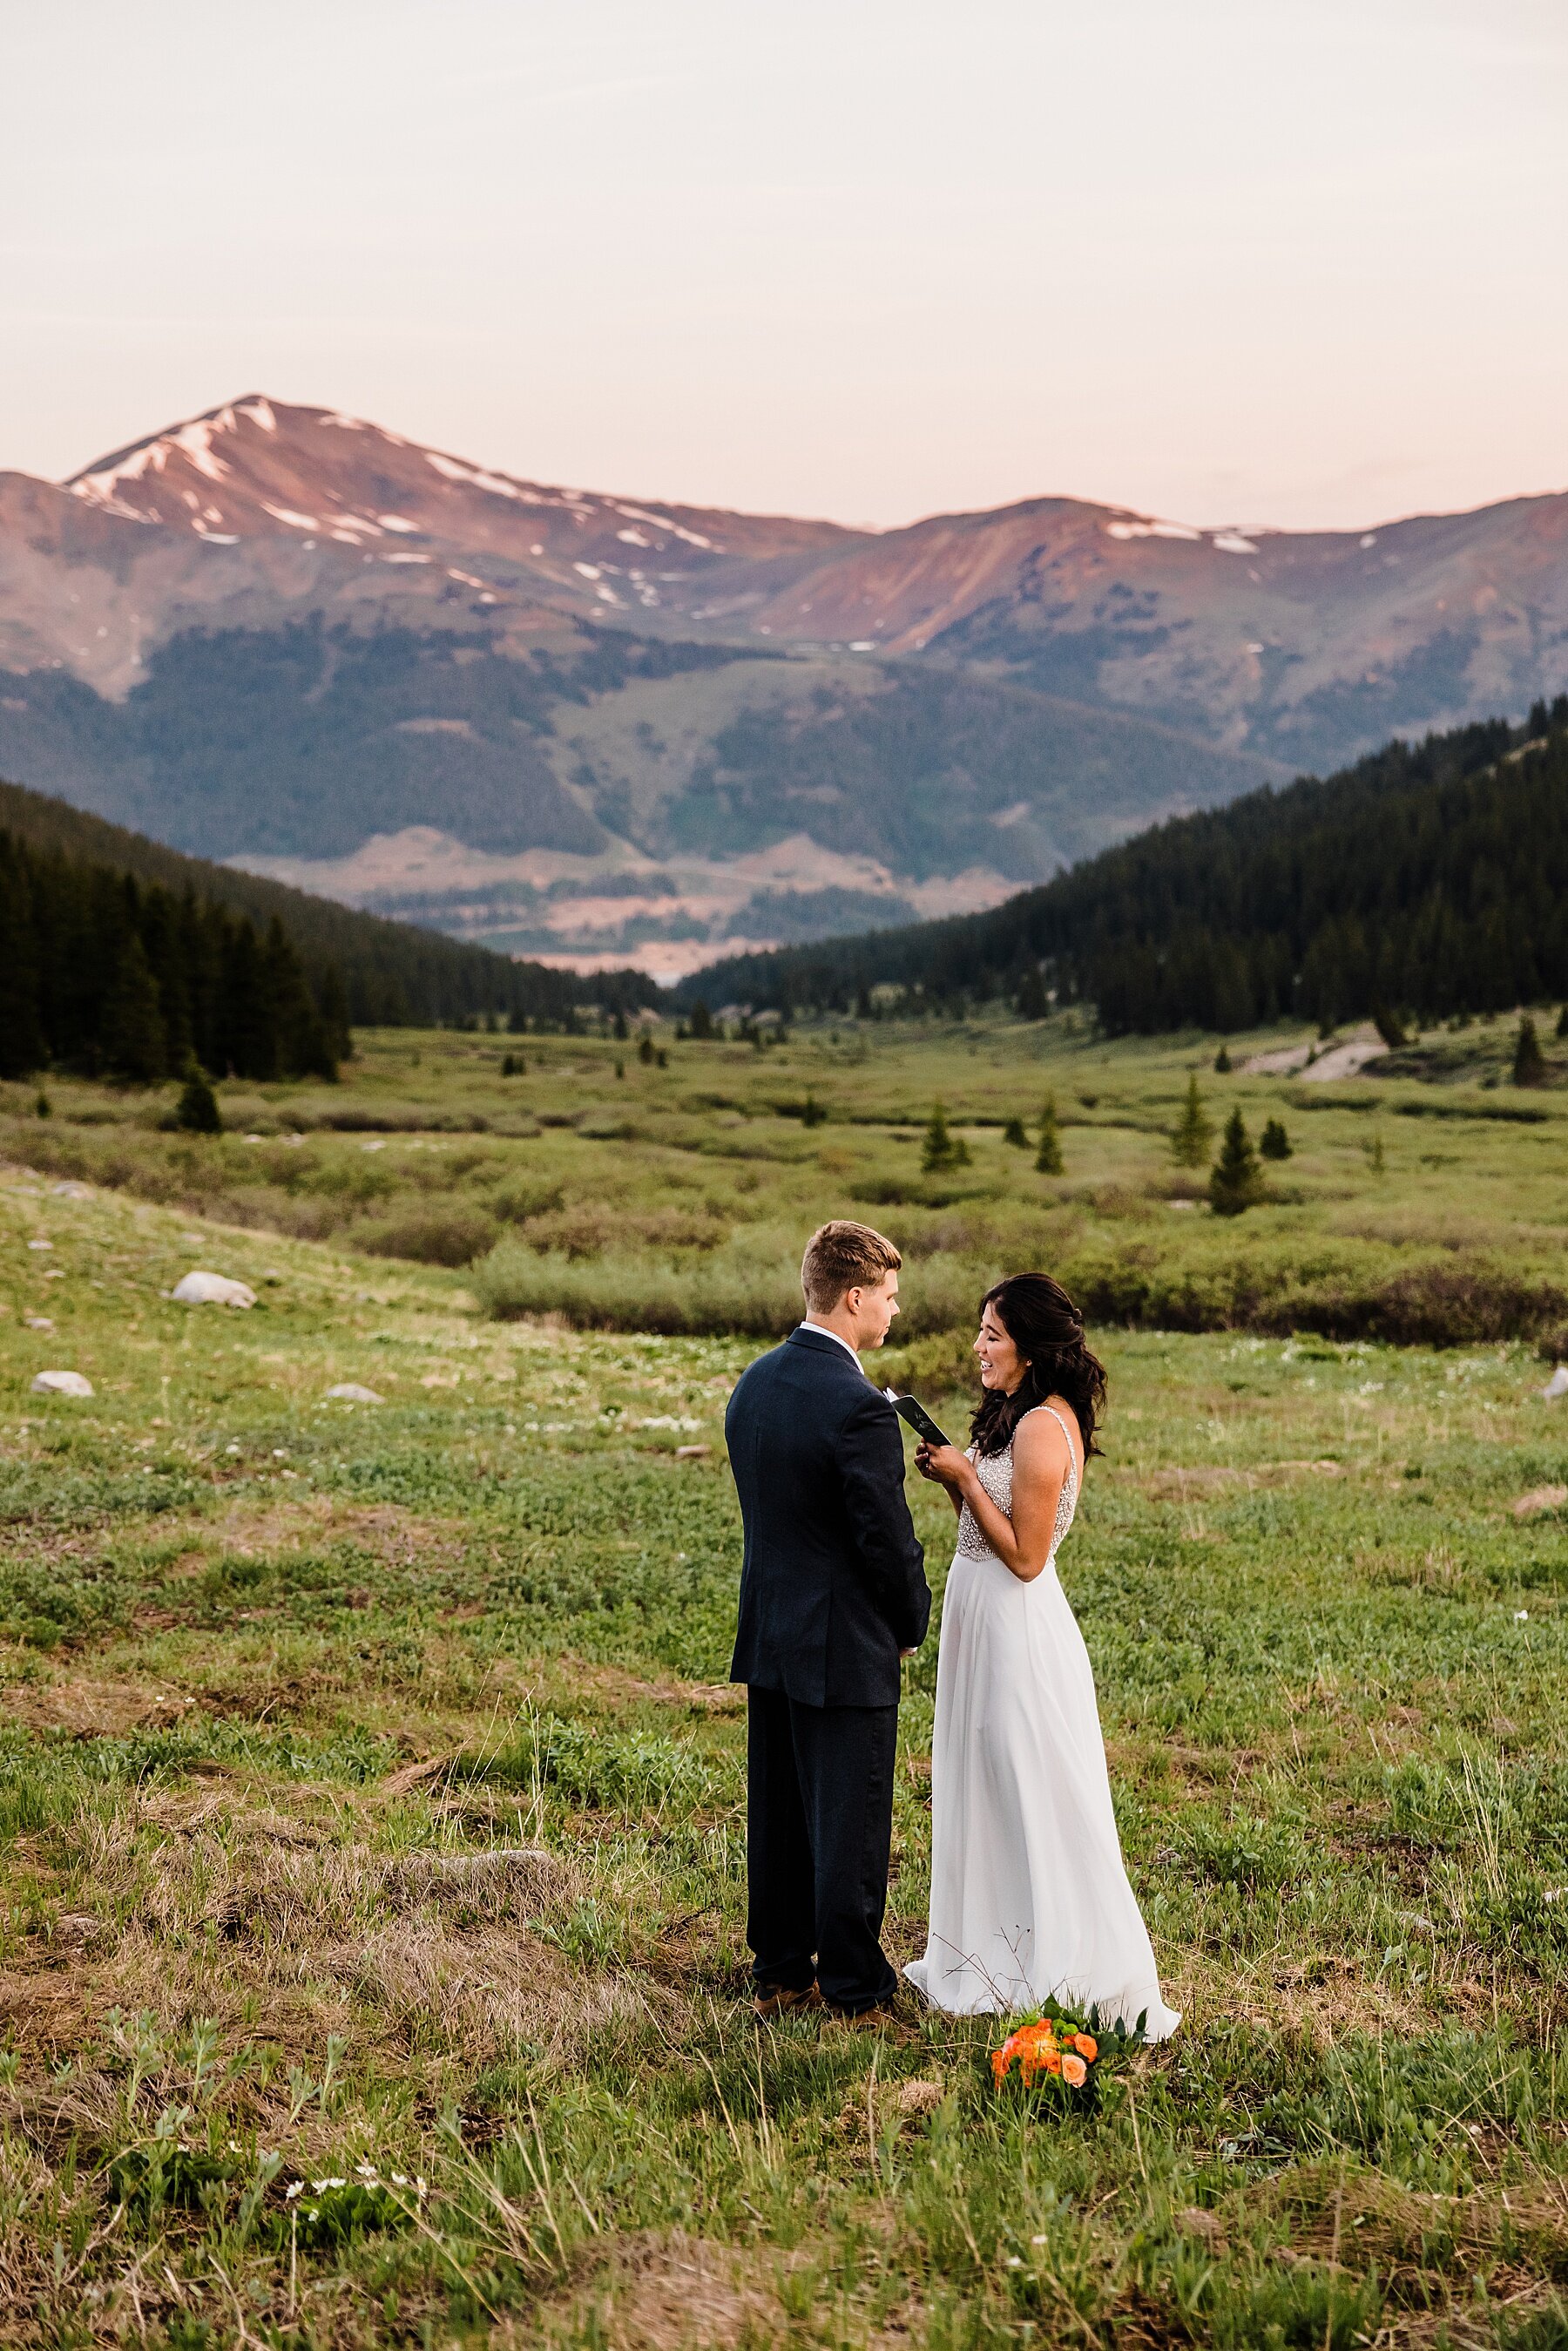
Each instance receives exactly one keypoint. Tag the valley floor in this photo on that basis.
(373, 1794)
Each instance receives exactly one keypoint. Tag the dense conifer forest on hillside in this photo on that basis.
(1428, 878)
(358, 969)
(105, 973)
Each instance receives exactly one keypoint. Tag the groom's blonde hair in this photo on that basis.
(843, 1255)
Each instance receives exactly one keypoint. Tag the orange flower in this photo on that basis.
(1074, 2071)
(1086, 2045)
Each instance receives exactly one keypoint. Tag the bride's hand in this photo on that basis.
(944, 1465)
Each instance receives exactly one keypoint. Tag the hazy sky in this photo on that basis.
(1288, 261)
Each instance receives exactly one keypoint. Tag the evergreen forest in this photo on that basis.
(358, 969)
(104, 973)
(1430, 879)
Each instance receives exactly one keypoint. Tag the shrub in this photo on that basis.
(430, 1235)
(1274, 1144)
(733, 1289)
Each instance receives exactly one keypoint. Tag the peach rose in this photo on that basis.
(1073, 2070)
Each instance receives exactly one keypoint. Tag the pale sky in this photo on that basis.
(1298, 262)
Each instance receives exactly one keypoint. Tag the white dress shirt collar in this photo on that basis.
(823, 1332)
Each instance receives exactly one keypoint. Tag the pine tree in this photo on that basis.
(43, 1107)
(197, 1113)
(1222, 1061)
(620, 1031)
(1236, 1180)
(1033, 1003)
(1563, 1022)
(701, 1021)
(1192, 1133)
(1276, 1143)
(812, 1114)
(1048, 1157)
(645, 1050)
(1529, 1061)
(941, 1149)
(134, 1044)
(22, 1045)
(1014, 1132)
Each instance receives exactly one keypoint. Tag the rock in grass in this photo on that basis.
(1557, 1386)
(62, 1384)
(212, 1290)
(71, 1190)
(350, 1392)
(692, 1452)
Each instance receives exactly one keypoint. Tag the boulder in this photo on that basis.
(350, 1392)
(62, 1384)
(212, 1290)
(1557, 1386)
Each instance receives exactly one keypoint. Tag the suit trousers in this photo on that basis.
(819, 1804)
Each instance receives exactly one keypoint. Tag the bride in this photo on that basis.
(1029, 1897)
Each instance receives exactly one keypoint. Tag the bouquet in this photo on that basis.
(1063, 2048)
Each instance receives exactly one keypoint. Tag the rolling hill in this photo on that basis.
(586, 725)
(1429, 878)
(376, 971)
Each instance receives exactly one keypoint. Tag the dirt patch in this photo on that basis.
(87, 1706)
(1183, 1485)
(613, 1684)
(672, 2293)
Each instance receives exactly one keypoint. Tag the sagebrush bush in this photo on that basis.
(727, 1289)
(430, 1235)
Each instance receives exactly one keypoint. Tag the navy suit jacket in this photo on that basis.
(832, 1585)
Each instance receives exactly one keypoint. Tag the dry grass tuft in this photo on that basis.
(672, 2293)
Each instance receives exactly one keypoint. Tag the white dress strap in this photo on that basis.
(1072, 1456)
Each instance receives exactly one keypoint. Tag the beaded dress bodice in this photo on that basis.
(996, 1477)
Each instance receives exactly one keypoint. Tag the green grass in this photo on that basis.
(371, 1794)
(1429, 1205)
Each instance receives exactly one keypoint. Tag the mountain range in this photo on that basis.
(602, 726)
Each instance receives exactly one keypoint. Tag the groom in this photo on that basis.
(833, 1591)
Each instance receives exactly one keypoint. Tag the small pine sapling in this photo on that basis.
(1528, 1060)
(1192, 1133)
(1048, 1157)
(1236, 1180)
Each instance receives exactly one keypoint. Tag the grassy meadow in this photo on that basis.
(372, 1920)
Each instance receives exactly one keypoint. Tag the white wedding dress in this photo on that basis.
(1029, 1897)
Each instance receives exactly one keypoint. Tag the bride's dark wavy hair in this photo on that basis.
(1047, 1330)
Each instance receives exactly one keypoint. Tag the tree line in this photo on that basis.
(113, 976)
(393, 974)
(1429, 878)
